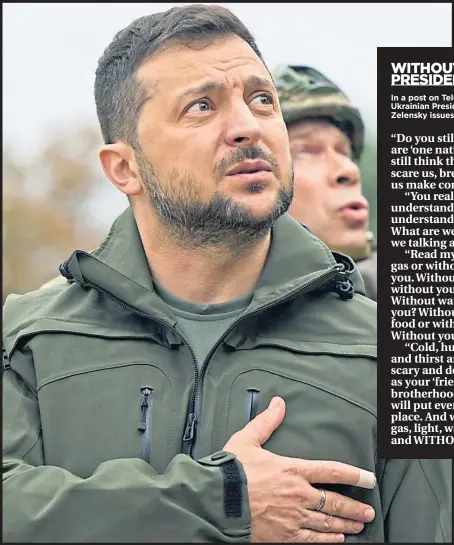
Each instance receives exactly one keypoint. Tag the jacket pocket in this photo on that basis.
(252, 403)
(320, 421)
(146, 421)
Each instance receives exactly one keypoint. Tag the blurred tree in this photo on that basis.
(45, 209)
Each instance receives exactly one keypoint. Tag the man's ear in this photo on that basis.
(120, 166)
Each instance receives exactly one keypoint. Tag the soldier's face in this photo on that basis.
(327, 191)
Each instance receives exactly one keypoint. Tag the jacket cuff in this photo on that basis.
(236, 500)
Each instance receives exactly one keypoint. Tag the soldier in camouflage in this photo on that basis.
(326, 133)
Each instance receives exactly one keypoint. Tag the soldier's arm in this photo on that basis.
(124, 500)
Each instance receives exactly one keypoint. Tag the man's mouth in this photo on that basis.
(357, 211)
(250, 168)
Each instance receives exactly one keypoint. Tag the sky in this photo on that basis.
(50, 53)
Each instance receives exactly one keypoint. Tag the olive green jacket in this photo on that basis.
(99, 401)
(368, 269)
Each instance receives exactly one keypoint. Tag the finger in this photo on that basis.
(321, 471)
(262, 426)
(316, 520)
(344, 507)
(312, 536)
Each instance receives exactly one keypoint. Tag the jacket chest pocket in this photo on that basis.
(126, 411)
(319, 423)
(146, 421)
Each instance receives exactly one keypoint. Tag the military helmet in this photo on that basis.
(305, 92)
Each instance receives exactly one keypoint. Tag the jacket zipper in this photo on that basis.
(145, 422)
(6, 363)
(252, 403)
(191, 422)
(193, 418)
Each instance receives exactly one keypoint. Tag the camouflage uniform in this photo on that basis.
(306, 93)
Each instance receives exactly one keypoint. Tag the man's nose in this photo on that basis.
(243, 128)
(345, 171)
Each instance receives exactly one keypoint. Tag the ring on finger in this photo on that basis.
(322, 501)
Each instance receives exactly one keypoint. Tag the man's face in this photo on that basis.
(213, 110)
(327, 194)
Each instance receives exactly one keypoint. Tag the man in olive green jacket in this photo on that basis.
(209, 372)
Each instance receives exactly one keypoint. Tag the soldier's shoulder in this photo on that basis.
(22, 310)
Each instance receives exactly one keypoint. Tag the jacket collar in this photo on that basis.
(120, 268)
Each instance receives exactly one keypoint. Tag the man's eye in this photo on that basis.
(299, 152)
(200, 106)
(346, 152)
(263, 100)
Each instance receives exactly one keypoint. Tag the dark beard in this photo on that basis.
(221, 223)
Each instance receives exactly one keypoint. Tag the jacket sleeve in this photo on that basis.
(124, 500)
(417, 501)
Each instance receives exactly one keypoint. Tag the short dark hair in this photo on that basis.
(119, 95)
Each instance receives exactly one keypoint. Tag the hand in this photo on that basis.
(281, 497)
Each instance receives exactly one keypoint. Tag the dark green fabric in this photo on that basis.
(368, 270)
(203, 325)
(81, 353)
